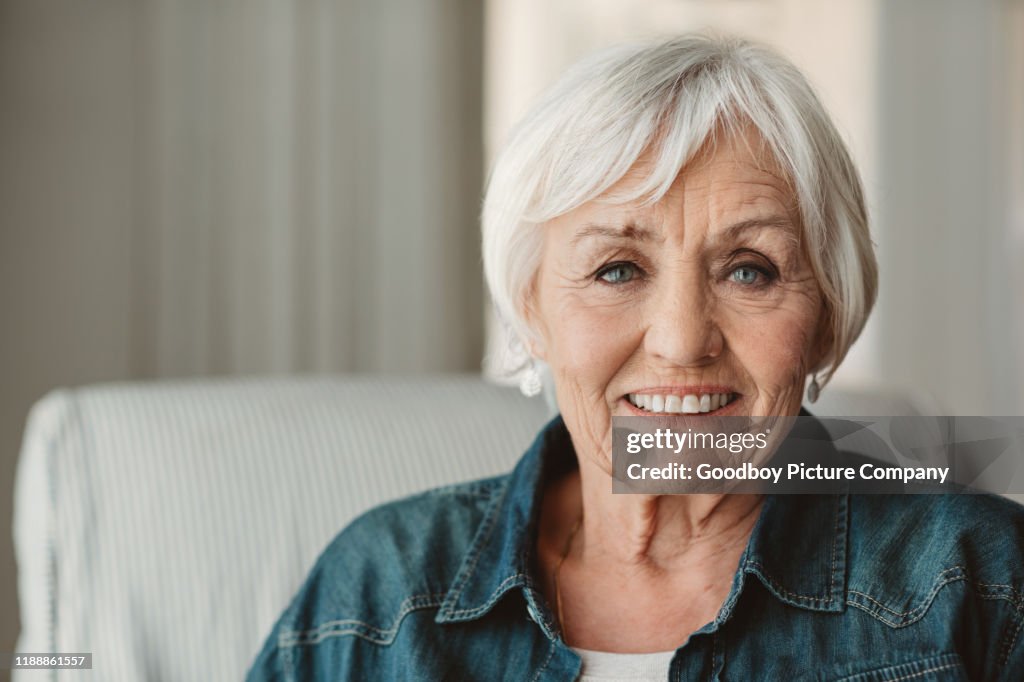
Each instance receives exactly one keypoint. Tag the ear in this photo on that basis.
(530, 311)
(824, 340)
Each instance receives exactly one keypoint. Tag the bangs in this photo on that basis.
(672, 123)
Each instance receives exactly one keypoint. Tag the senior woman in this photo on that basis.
(676, 227)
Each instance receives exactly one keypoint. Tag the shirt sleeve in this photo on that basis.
(269, 663)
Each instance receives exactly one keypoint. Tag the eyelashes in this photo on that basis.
(750, 276)
(619, 272)
(755, 272)
(752, 269)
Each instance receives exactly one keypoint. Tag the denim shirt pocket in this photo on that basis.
(936, 668)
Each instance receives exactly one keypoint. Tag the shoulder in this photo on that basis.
(391, 561)
(904, 549)
(394, 557)
(973, 528)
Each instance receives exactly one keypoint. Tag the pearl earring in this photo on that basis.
(813, 390)
(530, 383)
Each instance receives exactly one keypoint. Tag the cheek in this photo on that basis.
(589, 346)
(590, 343)
(774, 346)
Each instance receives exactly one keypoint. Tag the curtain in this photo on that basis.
(193, 187)
(306, 187)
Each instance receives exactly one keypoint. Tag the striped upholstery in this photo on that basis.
(164, 526)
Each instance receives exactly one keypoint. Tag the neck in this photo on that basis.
(660, 532)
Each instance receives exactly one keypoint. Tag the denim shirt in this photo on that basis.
(443, 586)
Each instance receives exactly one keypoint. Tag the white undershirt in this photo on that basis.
(600, 666)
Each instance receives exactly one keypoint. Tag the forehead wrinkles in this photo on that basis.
(724, 174)
(735, 179)
(731, 201)
(705, 206)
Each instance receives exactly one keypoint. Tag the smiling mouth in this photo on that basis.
(655, 403)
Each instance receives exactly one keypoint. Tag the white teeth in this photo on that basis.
(674, 404)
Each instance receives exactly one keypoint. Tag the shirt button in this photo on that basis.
(534, 616)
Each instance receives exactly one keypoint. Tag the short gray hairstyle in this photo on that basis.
(669, 97)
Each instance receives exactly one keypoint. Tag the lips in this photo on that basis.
(680, 403)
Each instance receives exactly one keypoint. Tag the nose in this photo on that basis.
(681, 329)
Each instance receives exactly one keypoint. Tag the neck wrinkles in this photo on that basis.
(659, 531)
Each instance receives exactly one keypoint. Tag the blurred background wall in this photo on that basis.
(229, 187)
(233, 187)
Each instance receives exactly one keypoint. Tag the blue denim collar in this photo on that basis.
(797, 548)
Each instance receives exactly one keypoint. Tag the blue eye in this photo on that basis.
(744, 275)
(618, 273)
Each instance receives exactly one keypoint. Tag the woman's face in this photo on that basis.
(705, 294)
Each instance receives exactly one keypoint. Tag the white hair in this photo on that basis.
(670, 97)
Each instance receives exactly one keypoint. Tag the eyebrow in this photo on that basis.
(632, 232)
(629, 231)
(775, 221)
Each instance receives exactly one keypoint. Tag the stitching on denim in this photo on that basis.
(835, 544)
(715, 667)
(358, 628)
(552, 630)
(490, 600)
(761, 571)
(490, 522)
(1014, 599)
(923, 672)
(935, 589)
(904, 618)
(726, 611)
(410, 604)
(1017, 598)
(940, 662)
(913, 615)
(483, 490)
(1003, 597)
(547, 661)
(1011, 639)
(804, 599)
(288, 663)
